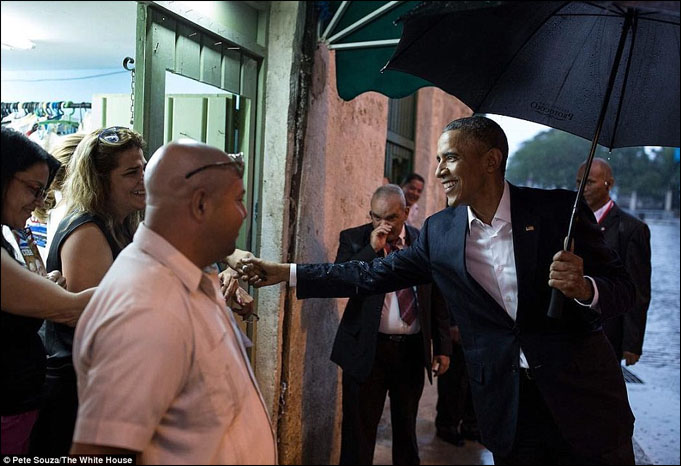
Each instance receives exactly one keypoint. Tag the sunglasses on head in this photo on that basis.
(234, 159)
(114, 135)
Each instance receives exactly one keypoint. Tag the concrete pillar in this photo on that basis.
(342, 166)
(632, 201)
(286, 22)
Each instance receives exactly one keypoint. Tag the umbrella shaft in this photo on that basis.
(628, 20)
(555, 310)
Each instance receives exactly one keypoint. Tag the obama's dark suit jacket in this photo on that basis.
(573, 363)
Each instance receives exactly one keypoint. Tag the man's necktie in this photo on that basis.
(406, 298)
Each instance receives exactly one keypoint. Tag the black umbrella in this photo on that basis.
(605, 71)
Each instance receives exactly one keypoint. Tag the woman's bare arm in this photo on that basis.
(28, 294)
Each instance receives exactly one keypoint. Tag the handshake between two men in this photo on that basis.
(259, 272)
(235, 296)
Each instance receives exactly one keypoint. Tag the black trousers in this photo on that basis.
(53, 431)
(398, 370)
(454, 401)
(538, 440)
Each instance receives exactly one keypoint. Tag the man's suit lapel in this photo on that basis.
(457, 236)
(610, 227)
(526, 230)
(411, 234)
(611, 220)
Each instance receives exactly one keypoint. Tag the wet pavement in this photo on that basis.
(655, 402)
(656, 436)
(432, 449)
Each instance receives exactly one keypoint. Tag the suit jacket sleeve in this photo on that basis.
(602, 263)
(401, 269)
(637, 261)
(349, 250)
(442, 342)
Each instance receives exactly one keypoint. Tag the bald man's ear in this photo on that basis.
(198, 204)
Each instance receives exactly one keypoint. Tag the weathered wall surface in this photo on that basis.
(343, 163)
(285, 36)
(434, 109)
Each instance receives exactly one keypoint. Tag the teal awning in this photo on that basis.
(364, 38)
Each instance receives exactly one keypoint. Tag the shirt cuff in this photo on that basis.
(292, 278)
(594, 302)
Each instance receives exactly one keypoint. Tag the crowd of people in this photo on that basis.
(98, 359)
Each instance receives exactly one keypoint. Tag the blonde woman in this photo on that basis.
(104, 196)
(52, 212)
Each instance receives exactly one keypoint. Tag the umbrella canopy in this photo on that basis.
(605, 71)
(550, 62)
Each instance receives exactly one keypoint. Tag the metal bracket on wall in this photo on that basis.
(127, 61)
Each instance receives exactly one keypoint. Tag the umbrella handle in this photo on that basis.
(556, 305)
(557, 298)
(555, 310)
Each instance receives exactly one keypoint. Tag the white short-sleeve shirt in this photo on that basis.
(161, 366)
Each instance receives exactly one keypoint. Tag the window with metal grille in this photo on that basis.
(399, 148)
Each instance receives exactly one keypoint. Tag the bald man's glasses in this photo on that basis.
(236, 160)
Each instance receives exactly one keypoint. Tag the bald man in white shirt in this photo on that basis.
(161, 363)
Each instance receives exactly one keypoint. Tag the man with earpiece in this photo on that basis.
(630, 237)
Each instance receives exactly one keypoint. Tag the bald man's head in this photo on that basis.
(195, 199)
(599, 165)
(599, 182)
(165, 178)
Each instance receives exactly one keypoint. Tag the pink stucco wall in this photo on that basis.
(343, 163)
(342, 166)
(345, 156)
(434, 109)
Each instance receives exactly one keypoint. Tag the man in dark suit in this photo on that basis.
(455, 419)
(546, 391)
(380, 349)
(630, 237)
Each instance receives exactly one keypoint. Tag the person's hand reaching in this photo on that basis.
(259, 272)
(236, 297)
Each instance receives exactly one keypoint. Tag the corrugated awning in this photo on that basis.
(364, 37)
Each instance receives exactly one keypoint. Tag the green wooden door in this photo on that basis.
(228, 61)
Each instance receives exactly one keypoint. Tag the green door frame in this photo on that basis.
(168, 41)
